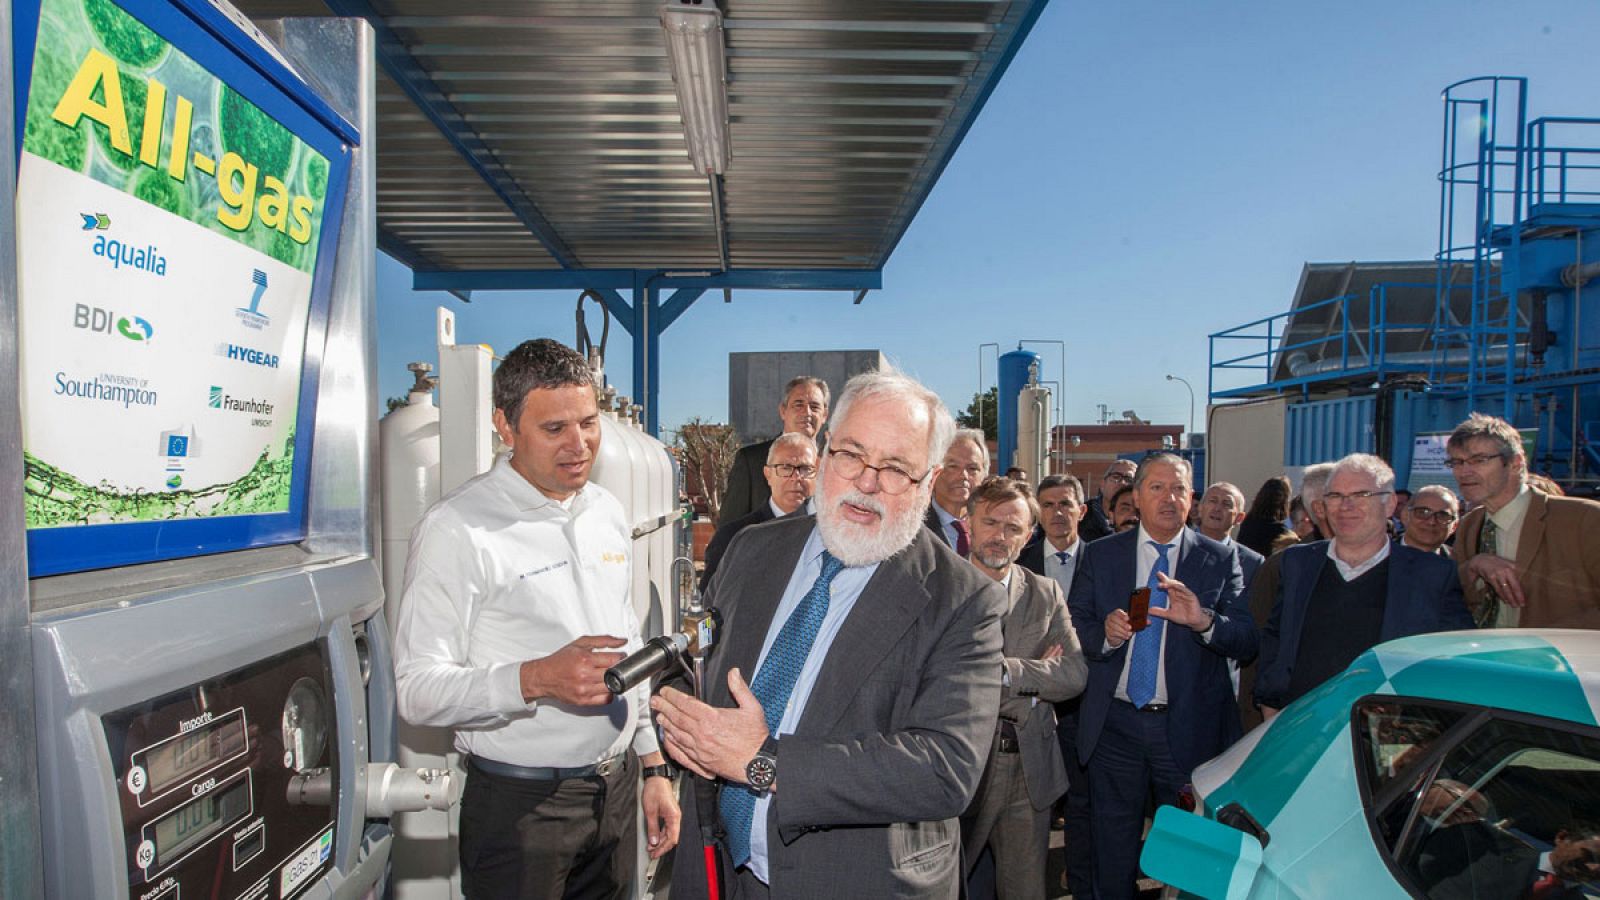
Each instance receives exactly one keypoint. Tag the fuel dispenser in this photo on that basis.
(187, 310)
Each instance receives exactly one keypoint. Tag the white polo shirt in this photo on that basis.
(499, 574)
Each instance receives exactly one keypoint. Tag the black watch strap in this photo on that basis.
(665, 770)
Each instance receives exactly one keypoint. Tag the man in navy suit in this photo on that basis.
(791, 474)
(1337, 599)
(1159, 699)
(1055, 555)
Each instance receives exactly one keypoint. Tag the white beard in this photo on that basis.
(860, 545)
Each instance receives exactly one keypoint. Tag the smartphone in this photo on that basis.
(1139, 609)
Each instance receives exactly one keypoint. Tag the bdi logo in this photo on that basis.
(105, 321)
(251, 316)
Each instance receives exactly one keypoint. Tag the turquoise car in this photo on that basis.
(1464, 764)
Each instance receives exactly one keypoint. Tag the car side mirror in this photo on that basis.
(1199, 856)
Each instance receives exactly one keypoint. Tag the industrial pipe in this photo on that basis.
(1577, 275)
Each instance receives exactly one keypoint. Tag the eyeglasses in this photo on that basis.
(1119, 477)
(1336, 499)
(1442, 516)
(788, 470)
(1476, 459)
(891, 479)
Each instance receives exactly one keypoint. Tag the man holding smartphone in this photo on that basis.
(1159, 699)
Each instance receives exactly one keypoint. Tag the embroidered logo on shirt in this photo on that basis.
(543, 569)
(614, 557)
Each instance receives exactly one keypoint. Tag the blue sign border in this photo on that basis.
(214, 41)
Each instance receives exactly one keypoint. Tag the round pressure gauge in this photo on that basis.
(305, 725)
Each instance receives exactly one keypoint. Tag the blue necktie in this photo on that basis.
(1062, 556)
(1146, 652)
(772, 687)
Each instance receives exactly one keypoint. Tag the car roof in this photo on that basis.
(1547, 672)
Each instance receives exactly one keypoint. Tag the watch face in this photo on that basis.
(761, 771)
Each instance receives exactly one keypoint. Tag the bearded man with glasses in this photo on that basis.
(1340, 598)
(851, 703)
(1526, 560)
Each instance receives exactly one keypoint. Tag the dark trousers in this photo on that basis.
(1078, 835)
(1132, 760)
(572, 839)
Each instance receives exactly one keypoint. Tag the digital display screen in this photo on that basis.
(187, 826)
(192, 752)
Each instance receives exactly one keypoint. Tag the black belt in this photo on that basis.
(1148, 707)
(1008, 741)
(601, 769)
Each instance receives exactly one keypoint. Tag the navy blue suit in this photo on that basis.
(1129, 752)
(1249, 562)
(1424, 595)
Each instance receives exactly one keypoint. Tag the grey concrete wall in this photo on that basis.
(756, 380)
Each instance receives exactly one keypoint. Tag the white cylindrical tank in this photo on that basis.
(1033, 432)
(408, 440)
(409, 448)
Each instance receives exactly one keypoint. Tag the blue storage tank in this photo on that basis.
(1017, 369)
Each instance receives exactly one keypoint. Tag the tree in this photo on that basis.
(989, 404)
(706, 451)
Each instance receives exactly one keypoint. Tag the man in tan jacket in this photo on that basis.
(1526, 560)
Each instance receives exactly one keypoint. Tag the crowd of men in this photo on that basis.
(920, 664)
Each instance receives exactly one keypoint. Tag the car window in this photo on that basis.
(1398, 734)
(1490, 806)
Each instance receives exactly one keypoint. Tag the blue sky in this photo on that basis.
(1145, 174)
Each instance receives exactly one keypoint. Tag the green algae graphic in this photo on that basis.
(55, 498)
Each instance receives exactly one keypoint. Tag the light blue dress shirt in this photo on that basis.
(843, 593)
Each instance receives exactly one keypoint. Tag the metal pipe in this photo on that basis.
(1576, 275)
(1300, 363)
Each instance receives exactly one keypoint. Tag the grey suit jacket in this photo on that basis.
(894, 735)
(1037, 621)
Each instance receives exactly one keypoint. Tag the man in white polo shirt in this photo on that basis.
(516, 601)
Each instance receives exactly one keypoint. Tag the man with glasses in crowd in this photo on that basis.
(804, 410)
(791, 473)
(1526, 560)
(964, 467)
(1429, 517)
(1337, 599)
(1097, 514)
(853, 699)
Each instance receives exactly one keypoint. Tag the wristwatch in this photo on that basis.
(665, 770)
(762, 769)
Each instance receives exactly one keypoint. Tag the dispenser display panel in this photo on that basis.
(176, 218)
(205, 778)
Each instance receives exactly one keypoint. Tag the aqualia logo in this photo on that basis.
(251, 316)
(145, 259)
(105, 321)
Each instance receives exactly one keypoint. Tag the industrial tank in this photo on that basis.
(1018, 369)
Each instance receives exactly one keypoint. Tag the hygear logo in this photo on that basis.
(105, 321)
(251, 316)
